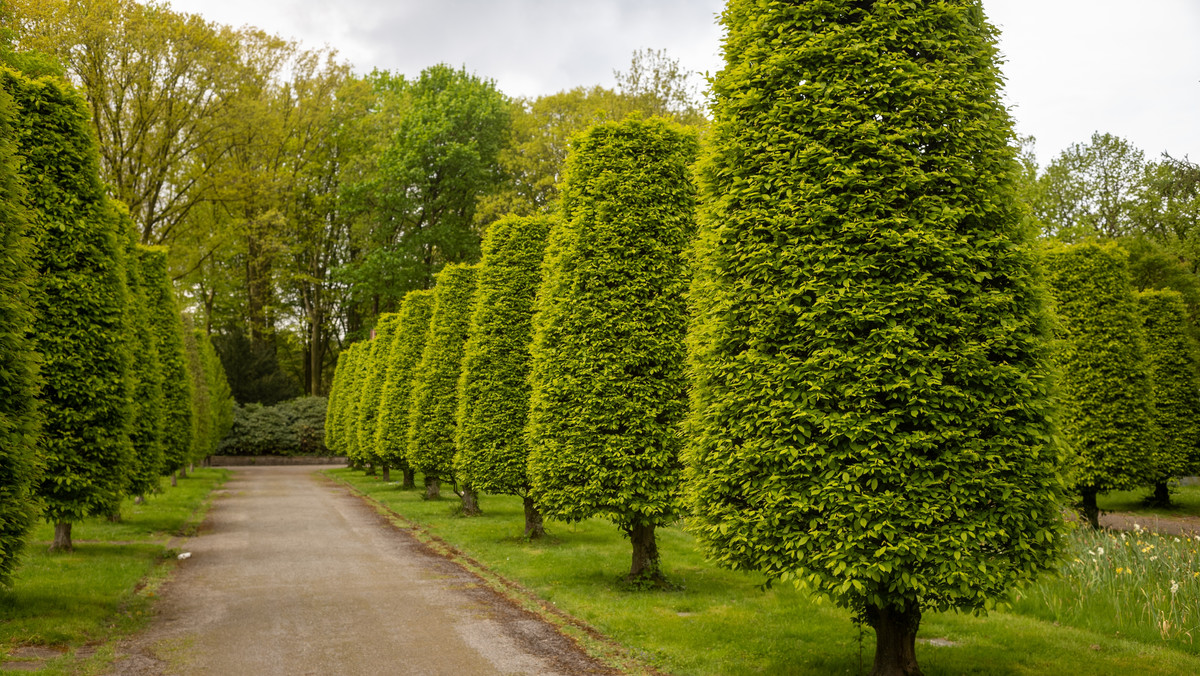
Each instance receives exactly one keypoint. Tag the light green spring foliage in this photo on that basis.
(1107, 413)
(79, 301)
(20, 421)
(391, 433)
(219, 393)
(434, 405)
(871, 411)
(493, 388)
(349, 401)
(1174, 383)
(336, 387)
(167, 325)
(374, 377)
(146, 433)
(201, 399)
(608, 385)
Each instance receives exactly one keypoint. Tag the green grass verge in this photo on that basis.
(1185, 502)
(723, 622)
(78, 605)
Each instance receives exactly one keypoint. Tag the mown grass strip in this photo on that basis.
(723, 622)
(1185, 502)
(67, 611)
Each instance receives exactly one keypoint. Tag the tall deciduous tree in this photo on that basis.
(493, 389)
(871, 412)
(80, 308)
(1107, 414)
(20, 421)
(1091, 189)
(608, 386)
(434, 405)
(391, 434)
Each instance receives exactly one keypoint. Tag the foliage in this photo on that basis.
(374, 375)
(336, 392)
(289, 428)
(20, 420)
(79, 301)
(220, 396)
(434, 404)
(253, 369)
(1107, 411)
(412, 330)
(661, 86)
(345, 417)
(871, 413)
(167, 327)
(607, 375)
(146, 435)
(1091, 189)
(493, 388)
(1173, 360)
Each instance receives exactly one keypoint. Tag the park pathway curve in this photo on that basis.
(293, 574)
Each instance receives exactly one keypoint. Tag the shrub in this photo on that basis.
(167, 326)
(289, 428)
(871, 411)
(608, 384)
(20, 420)
(146, 434)
(1107, 413)
(493, 389)
(373, 378)
(391, 434)
(80, 303)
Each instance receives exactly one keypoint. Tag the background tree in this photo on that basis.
(493, 389)
(20, 421)
(374, 375)
(608, 385)
(1173, 360)
(434, 405)
(871, 406)
(412, 330)
(80, 304)
(1107, 412)
(167, 327)
(1090, 189)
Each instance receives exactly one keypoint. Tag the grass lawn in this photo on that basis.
(723, 622)
(1185, 502)
(71, 609)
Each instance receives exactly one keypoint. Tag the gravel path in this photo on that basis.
(294, 575)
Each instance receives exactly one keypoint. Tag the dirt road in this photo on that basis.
(294, 575)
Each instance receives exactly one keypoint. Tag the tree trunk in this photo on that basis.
(410, 478)
(183, 472)
(115, 517)
(433, 488)
(139, 500)
(645, 555)
(174, 481)
(895, 639)
(370, 469)
(387, 473)
(533, 520)
(1090, 511)
(62, 538)
(1162, 497)
(470, 501)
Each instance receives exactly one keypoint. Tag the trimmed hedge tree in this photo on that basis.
(20, 421)
(871, 405)
(434, 406)
(80, 312)
(608, 385)
(1107, 414)
(146, 434)
(336, 388)
(167, 326)
(493, 390)
(1175, 388)
(374, 377)
(348, 398)
(391, 434)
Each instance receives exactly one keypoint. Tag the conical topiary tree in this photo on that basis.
(434, 405)
(80, 311)
(336, 389)
(219, 393)
(871, 411)
(146, 434)
(391, 433)
(19, 382)
(167, 327)
(1107, 413)
(1173, 361)
(373, 379)
(607, 376)
(493, 389)
(348, 399)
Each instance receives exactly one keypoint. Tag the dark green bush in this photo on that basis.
(608, 385)
(871, 404)
(289, 428)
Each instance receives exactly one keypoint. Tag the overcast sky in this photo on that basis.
(1073, 66)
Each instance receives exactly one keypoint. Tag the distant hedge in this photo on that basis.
(294, 427)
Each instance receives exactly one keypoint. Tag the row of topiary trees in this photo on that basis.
(870, 347)
(103, 389)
